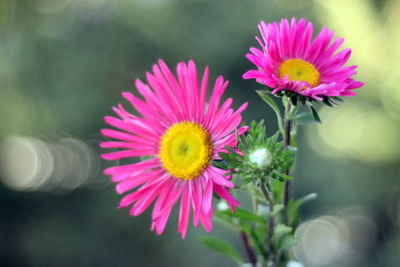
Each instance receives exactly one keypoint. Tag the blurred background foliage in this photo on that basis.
(63, 64)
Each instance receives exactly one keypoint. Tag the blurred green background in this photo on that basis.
(63, 64)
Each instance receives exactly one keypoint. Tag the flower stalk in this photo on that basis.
(287, 136)
(249, 250)
(271, 225)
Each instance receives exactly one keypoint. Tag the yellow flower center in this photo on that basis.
(299, 70)
(185, 150)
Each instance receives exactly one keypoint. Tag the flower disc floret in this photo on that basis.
(300, 71)
(185, 150)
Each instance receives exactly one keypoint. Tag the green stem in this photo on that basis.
(287, 129)
(249, 251)
(271, 225)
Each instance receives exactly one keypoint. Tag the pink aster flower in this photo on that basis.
(179, 133)
(289, 60)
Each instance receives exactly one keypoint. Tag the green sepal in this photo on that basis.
(305, 118)
(315, 114)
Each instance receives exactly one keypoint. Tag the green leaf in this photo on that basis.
(278, 191)
(231, 151)
(223, 156)
(253, 124)
(274, 138)
(285, 177)
(226, 220)
(220, 164)
(250, 140)
(288, 242)
(315, 114)
(244, 215)
(256, 239)
(306, 198)
(294, 205)
(246, 181)
(273, 105)
(221, 246)
(229, 173)
(282, 229)
(242, 147)
(277, 208)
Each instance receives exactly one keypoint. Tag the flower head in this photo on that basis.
(180, 134)
(291, 63)
(259, 157)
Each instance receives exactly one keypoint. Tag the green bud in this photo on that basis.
(261, 157)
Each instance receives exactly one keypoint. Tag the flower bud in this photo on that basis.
(261, 157)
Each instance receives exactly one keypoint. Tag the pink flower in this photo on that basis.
(290, 60)
(180, 133)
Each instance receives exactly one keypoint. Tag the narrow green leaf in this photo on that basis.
(260, 124)
(278, 191)
(220, 164)
(223, 247)
(277, 208)
(244, 215)
(293, 214)
(274, 138)
(226, 220)
(223, 155)
(282, 229)
(255, 237)
(306, 198)
(253, 124)
(230, 150)
(286, 177)
(273, 105)
(229, 173)
(250, 140)
(242, 148)
(246, 181)
(294, 206)
(289, 241)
